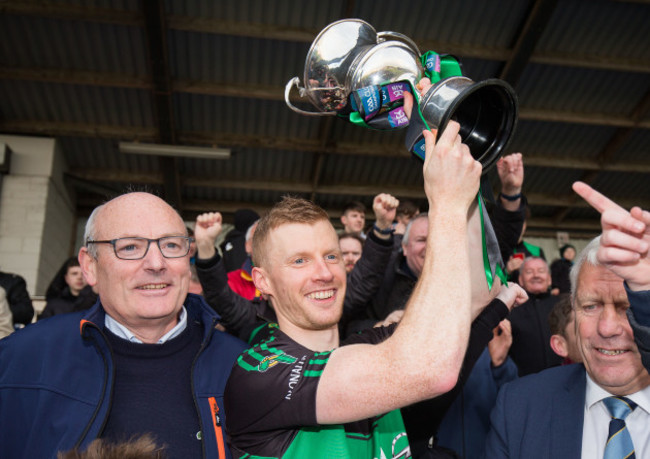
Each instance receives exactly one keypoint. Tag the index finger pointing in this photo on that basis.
(596, 200)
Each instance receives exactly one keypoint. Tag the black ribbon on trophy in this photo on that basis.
(354, 72)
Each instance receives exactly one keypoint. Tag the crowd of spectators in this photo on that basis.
(290, 340)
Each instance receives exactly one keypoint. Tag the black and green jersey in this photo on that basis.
(270, 399)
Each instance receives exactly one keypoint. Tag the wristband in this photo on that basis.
(389, 230)
(510, 197)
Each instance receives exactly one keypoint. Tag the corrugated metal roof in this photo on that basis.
(233, 195)
(560, 140)
(99, 154)
(252, 165)
(460, 22)
(86, 80)
(598, 28)
(618, 183)
(581, 90)
(55, 102)
(71, 44)
(201, 56)
(637, 147)
(361, 170)
(550, 181)
(213, 114)
(289, 13)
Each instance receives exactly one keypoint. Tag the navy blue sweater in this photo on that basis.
(153, 392)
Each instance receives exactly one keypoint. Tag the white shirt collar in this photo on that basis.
(122, 332)
(595, 394)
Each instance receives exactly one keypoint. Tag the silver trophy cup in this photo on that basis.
(350, 54)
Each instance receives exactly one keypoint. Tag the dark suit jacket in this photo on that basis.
(531, 334)
(639, 317)
(539, 416)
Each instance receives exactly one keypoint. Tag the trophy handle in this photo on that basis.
(383, 36)
(287, 90)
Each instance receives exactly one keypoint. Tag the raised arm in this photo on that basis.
(237, 313)
(511, 176)
(360, 381)
(364, 280)
(508, 215)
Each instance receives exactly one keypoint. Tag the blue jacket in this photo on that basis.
(639, 317)
(467, 422)
(56, 379)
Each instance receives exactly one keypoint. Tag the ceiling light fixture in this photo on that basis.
(174, 150)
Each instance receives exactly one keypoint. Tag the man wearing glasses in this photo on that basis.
(145, 359)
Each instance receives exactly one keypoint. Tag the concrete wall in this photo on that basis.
(37, 213)
(58, 227)
(22, 213)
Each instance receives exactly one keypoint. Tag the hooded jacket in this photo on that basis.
(56, 382)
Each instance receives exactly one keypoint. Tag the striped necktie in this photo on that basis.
(619, 443)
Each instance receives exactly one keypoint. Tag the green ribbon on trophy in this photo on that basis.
(437, 67)
(440, 66)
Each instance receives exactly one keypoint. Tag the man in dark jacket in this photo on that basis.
(531, 333)
(68, 302)
(145, 359)
(560, 269)
(19, 301)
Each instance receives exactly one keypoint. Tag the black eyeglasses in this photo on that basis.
(136, 248)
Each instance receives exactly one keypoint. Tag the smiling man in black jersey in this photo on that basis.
(301, 392)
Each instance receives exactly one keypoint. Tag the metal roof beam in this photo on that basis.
(534, 26)
(72, 129)
(582, 118)
(156, 33)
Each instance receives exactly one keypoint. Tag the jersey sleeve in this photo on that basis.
(273, 387)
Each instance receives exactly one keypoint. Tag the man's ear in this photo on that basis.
(260, 280)
(88, 266)
(559, 345)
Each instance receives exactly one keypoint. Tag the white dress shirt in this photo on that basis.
(596, 424)
(121, 331)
